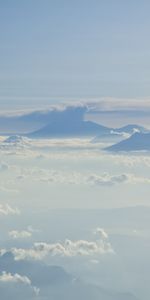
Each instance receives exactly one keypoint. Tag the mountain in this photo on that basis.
(40, 273)
(69, 122)
(64, 129)
(54, 282)
(111, 136)
(23, 122)
(137, 142)
(118, 134)
(61, 121)
(131, 129)
(15, 142)
(80, 290)
(16, 139)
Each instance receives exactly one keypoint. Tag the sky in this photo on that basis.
(74, 216)
(52, 50)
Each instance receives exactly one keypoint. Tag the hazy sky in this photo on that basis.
(74, 217)
(74, 49)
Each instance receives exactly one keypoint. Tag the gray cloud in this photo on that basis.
(107, 179)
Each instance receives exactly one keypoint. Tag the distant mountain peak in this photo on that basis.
(139, 141)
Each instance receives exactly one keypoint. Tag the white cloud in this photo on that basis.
(68, 248)
(15, 234)
(6, 209)
(17, 279)
(8, 277)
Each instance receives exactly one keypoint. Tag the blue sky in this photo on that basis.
(74, 49)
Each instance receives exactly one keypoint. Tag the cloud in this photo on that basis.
(36, 148)
(38, 272)
(68, 248)
(34, 120)
(17, 279)
(129, 160)
(53, 281)
(107, 179)
(99, 104)
(8, 277)
(6, 209)
(23, 234)
(15, 234)
(15, 143)
(101, 232)
(55, 176)
(116, 104)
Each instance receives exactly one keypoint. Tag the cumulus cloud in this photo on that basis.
(6, 209)
(68, 248)
(8, 277)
